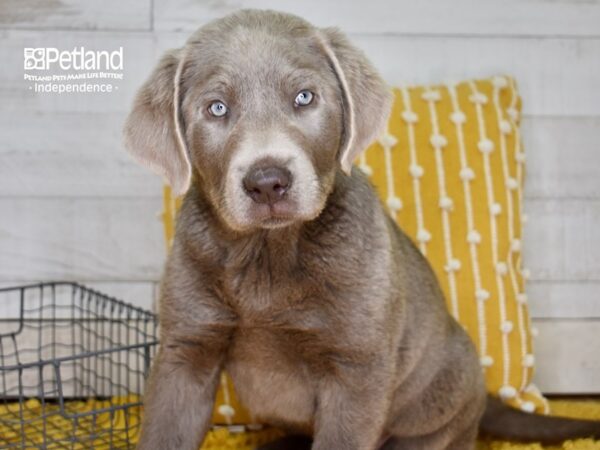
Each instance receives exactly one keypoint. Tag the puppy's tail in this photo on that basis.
(503, 422)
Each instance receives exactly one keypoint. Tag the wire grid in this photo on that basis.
(72, 367)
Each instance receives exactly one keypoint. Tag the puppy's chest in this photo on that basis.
(265, 289)
(282, 342)
(272, 381)
(288, 310)
(273, 360)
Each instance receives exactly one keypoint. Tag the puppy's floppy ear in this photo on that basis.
(366, 97)
(154, 129)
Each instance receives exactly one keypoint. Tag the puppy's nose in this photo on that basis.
(267, 184)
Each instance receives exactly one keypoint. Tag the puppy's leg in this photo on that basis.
(179, 398)
(351, 413)
(391, 444)
(466, 441)
(460, 433)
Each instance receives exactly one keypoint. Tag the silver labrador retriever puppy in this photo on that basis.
(285, 269)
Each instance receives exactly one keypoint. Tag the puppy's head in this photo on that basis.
(260, 109)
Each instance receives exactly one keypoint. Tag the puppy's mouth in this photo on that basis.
(275, 215)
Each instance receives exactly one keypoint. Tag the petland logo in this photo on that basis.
(76, 59)
(50, 70)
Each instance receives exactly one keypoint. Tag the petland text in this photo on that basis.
(77, 59)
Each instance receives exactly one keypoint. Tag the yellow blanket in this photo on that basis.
(119, 429)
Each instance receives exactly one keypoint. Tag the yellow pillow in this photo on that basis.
(450, 170)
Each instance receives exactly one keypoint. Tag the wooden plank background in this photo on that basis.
(74, 206)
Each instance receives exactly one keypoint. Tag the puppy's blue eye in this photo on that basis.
(304, 98)
(217, 109)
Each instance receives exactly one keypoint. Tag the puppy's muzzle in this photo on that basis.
(267, 185)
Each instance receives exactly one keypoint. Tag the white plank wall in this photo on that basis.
(108, 15)
(74, 206)
(459, 17)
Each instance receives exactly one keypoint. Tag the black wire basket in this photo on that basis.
(72, 367)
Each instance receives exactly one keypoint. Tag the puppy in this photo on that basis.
(285, 270)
